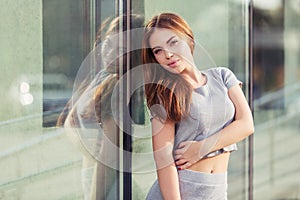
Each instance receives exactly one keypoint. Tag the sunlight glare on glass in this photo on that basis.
(24, 87)
(26, 99)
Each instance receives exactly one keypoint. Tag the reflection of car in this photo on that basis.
(52, 108)
(56, 85)
(57, 90)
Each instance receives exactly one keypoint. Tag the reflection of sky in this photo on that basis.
(267, 4)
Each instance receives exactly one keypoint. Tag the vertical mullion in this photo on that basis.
(250, 99)
(86, 27)
(127, 136)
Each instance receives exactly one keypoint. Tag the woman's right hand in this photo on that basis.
(187, 154)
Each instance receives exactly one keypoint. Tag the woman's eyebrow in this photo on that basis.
(168, 41)
(155, 47)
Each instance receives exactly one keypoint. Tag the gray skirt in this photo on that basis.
(196, 185)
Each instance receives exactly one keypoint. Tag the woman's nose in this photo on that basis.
(168, 54)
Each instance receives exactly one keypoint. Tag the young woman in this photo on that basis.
(196, 116)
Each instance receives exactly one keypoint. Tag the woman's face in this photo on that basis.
(112, 51)
(171, 51)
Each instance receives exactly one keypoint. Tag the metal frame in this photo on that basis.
(250, 95)
(127, 124)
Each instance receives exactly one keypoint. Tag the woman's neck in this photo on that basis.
(194, 77)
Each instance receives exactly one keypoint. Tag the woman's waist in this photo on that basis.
(216, 164)
(207, 179)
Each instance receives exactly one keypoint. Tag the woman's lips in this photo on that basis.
(173, 63)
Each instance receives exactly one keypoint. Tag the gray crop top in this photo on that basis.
(211, 109)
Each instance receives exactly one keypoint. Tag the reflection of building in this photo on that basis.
(50, 43)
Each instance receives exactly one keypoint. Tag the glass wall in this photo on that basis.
(276, 104)
(46, 48)
(76, 62)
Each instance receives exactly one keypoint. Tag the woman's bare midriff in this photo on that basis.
(217, 164)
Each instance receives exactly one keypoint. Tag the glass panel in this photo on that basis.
(50, 49)
(93, 112)
(220, 29)
(35, 162)
(276, 105)
(62, 55)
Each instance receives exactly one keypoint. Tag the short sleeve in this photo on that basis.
(229, 78)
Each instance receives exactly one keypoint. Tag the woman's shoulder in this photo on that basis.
(224, 75)
(218, 70)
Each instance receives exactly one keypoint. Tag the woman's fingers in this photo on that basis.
(186, 154)
(184, 166)
(179, 152)
(177, 156)
(180, 162)
(182, 144)
(182, 147)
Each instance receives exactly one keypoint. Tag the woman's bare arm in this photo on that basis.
(163, 142)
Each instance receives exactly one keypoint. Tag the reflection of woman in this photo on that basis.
(91, 109)
(197, 117)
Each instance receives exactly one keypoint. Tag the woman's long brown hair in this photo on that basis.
(169, 90)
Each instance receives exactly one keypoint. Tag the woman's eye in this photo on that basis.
(173, 42)
(157, 51)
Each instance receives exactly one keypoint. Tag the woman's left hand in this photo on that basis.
(187, 154)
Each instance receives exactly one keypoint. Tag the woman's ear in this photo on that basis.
(192, 46)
